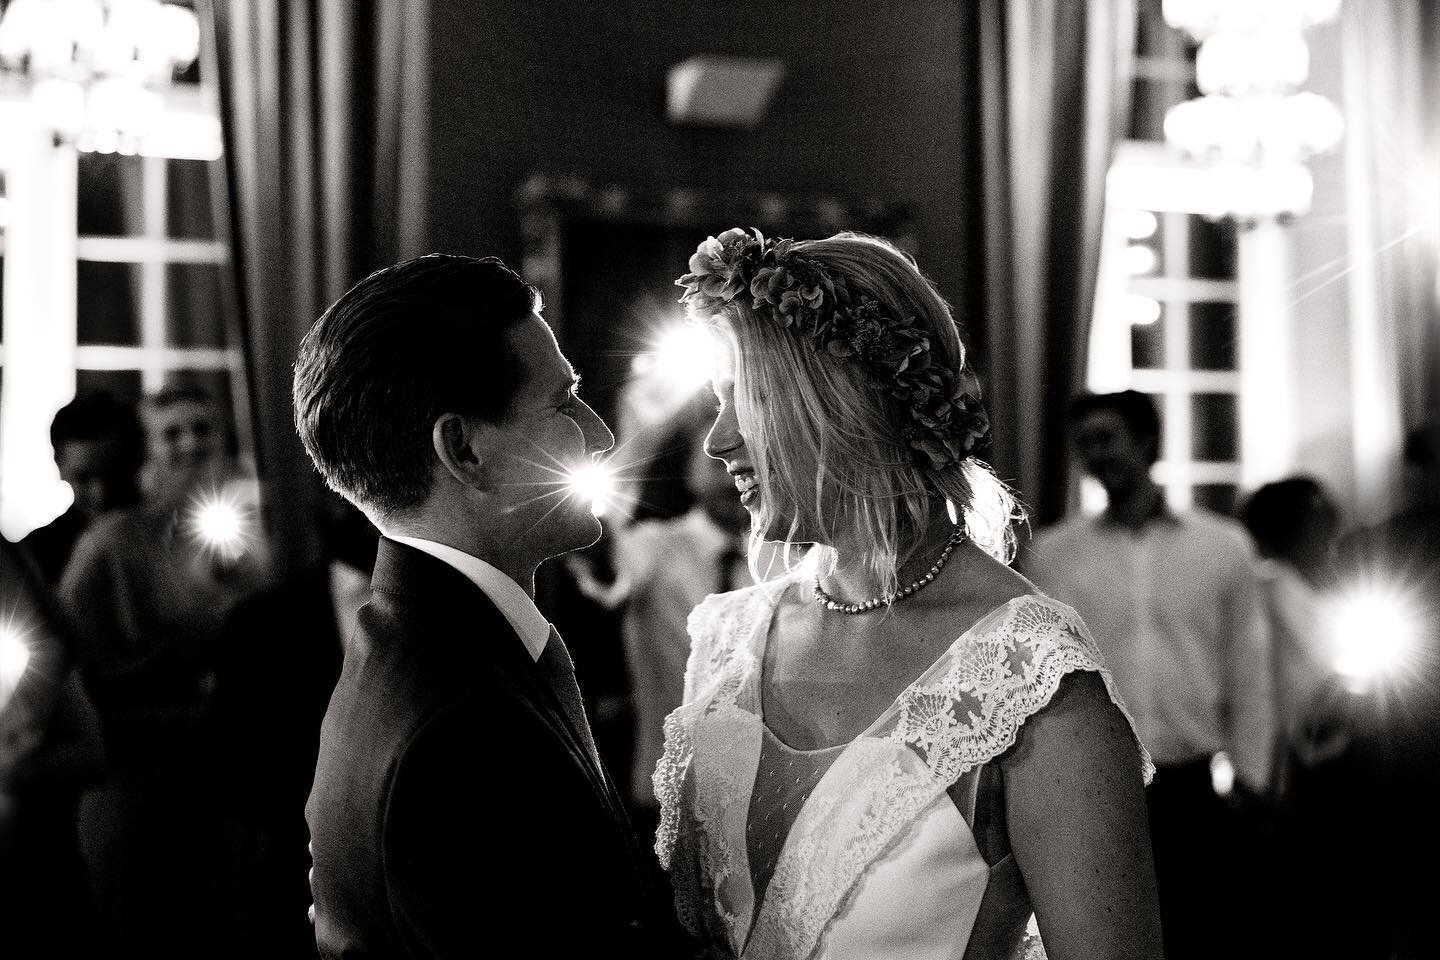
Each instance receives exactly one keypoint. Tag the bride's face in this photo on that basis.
(771, 511)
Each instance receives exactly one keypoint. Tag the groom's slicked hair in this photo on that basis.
(406, 344)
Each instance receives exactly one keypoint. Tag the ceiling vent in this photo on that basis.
(718, 91)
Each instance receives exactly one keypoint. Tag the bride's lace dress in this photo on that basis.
(891, 845)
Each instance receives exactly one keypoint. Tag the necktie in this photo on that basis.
(559, 671)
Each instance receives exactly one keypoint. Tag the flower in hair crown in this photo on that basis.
(946, 424)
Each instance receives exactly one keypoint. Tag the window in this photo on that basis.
(1167, 303)
(112, 279)
(149, 270)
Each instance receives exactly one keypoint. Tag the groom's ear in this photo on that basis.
(463, 446)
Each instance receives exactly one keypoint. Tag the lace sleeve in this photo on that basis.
(968, 709)
(714, 634)
(701, 625)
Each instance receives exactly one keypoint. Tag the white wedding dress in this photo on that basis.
(892, 845)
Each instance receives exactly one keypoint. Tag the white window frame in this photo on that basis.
(1147, 177)
(39, 349)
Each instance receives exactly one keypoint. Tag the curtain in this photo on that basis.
(1053, 80)
(1392, 169)
(322, 108)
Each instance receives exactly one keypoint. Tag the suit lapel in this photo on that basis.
(462, 614)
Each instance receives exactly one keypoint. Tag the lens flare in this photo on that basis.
(223, 521)
(14, 658)
(596, 484)
(1374, 635)
(1222, 774)
(682, 358)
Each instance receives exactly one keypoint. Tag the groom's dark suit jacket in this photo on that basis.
(455, 811)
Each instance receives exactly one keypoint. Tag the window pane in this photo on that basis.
(194, 305)
(122, 384)
(1219, 497)
(108, 303)
(1212, 249)
(110, 202)
(1214, 343)
(188, 209)
(1147, 345)
(1215, 427)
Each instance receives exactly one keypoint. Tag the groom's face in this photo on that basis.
(549, 432)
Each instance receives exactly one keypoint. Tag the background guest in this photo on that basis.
(99, 448)
(1388, 775)
(1174, 602)
(146, 593)
(1295, 525)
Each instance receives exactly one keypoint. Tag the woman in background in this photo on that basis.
(900, 748)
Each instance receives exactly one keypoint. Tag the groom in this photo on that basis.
(459, 807)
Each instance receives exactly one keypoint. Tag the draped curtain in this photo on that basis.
(322, 107)
(1392, 161)
(1053, 82)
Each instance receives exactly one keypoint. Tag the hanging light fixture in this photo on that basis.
(97, 68)
(1252, 123)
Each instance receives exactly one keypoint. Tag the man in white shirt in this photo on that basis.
(1173, 601)
(459, 806)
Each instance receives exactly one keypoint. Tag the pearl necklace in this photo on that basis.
(864, 606)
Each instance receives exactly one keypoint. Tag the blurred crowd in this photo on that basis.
(161, 689)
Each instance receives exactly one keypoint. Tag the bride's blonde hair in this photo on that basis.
(827, 441)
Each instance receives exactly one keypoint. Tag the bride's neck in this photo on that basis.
(852, 579)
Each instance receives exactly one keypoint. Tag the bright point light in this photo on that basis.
(1222, 774)
(594, 483)
(1140, 310)
(1238, 63)
(221, 524)
(14, 657)
(1374, 633)
(684, 357)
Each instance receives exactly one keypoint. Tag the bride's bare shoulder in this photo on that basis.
(985, 583)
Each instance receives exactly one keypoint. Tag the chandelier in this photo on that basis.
(97, 68)
(1253, 125)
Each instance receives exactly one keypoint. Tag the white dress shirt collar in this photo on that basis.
(524, 617)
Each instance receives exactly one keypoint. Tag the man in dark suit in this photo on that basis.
(459, 807)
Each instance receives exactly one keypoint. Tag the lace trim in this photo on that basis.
(969, 708)
(964, 712)
(866, 793)
(724, 771)
(720, 657)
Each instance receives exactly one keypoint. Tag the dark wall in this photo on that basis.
(871, 106)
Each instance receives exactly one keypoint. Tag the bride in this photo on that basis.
(899, 748)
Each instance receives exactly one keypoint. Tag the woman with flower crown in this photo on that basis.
(899, 748)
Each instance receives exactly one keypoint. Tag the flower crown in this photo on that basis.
(947, 425)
